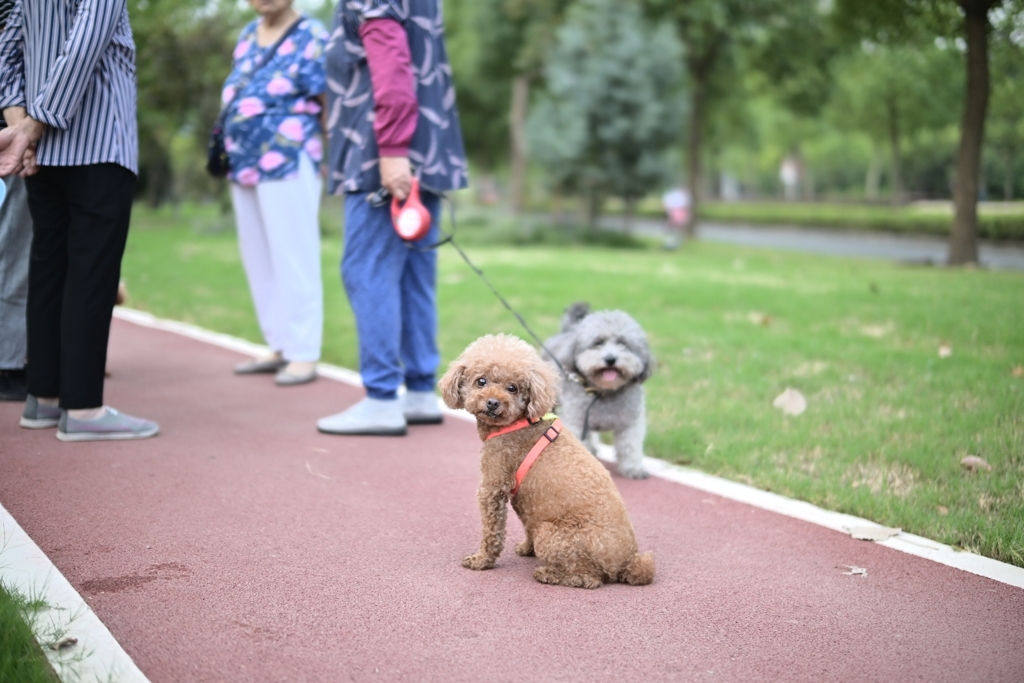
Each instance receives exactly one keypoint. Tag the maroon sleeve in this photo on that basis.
(394, 86)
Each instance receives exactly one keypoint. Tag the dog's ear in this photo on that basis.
(649, 362)
(543, 383)
(575, 313)
(451, 384)
(562, 347)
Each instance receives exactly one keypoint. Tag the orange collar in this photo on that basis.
(549, 435)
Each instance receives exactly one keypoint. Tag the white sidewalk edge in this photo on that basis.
(97, 656)
(837, 521)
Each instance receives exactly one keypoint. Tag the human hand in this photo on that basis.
(396, 176)
(14, 144)
(18, 142)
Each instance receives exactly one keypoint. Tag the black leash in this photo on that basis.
(450, 239)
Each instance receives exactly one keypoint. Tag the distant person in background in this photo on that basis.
(67, 90)
(273, 139)
(676, 203)
(391, 116)
(15, 242)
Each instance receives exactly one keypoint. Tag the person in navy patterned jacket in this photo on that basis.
(67, 90)
(391, 116)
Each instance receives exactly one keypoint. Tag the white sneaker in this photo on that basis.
(421, 408)
(369, 417)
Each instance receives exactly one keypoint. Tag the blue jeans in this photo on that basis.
(392, 289)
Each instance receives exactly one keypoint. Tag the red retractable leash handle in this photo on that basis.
(412, 221)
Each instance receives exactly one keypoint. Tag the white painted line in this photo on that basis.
(837, 521)
(97, 656)
(225, 341)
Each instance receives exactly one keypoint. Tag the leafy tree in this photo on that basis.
(712, 31)
(1006, 113)
(611, 108)
(890, 93)
(499, 48)
(183, 55)
(891, 22)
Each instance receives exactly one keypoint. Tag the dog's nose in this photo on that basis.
(610, 359)
(493, 404)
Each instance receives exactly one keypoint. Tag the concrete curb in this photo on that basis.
(96, 656)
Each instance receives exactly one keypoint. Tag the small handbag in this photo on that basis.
(216, 153)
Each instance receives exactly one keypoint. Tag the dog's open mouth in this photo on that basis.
(609, 375)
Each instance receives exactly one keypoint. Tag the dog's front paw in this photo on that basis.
(525, 549)
(477, 561)
(633, 472)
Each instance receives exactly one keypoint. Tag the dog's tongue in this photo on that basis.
(609, 375)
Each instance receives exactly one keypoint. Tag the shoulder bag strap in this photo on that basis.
(264, 60)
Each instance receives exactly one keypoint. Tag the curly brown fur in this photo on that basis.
(574, 518)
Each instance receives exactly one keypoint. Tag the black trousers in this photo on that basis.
(80, 217)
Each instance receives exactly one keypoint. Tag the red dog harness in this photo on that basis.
(549, 435)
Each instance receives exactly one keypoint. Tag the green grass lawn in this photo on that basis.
(21, 660)
(888, 419)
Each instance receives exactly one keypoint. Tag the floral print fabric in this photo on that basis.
(276, 116)
(436, 151)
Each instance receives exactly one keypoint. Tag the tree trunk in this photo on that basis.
(627, 222)
(1008, 175)
(693, 146)
(517, 138)
(963, 240)
(874, 175)
(897, 155)
(594, 204)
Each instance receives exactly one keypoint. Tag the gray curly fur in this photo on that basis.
(597, 345)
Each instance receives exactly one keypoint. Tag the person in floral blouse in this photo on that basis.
(273, 137)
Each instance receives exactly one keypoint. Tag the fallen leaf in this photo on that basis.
(315, 474)
(759, 318)
(872, 533)
(972, 463)
(791, 401)
(1018, 371)
(854, 570)
(63, 643)
(876, 331)
(945, 350)
(943, 510)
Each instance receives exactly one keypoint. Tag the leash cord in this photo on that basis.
(450, 239)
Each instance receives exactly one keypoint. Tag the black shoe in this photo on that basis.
(12, 385)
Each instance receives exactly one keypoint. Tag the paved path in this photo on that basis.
(241, 545)
(914, 249)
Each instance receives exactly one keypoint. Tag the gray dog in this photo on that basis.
(608, 360)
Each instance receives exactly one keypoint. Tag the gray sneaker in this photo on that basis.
(113, 426)
(38, 416)
(421, 408)
(369, 417)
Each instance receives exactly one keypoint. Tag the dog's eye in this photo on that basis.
(512, 388)
(598, 342)
(482, 382)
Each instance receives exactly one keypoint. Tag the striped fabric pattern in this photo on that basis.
(71, 63)
(5, 9)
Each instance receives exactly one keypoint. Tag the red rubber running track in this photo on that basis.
(241, 545)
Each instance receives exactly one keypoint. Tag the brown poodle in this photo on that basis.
(574, 518)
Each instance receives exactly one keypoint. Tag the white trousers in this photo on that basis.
(279, 237)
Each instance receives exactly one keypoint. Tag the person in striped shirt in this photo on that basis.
(15, 239)
(67, 91)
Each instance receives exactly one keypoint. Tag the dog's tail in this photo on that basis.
(639, 571)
